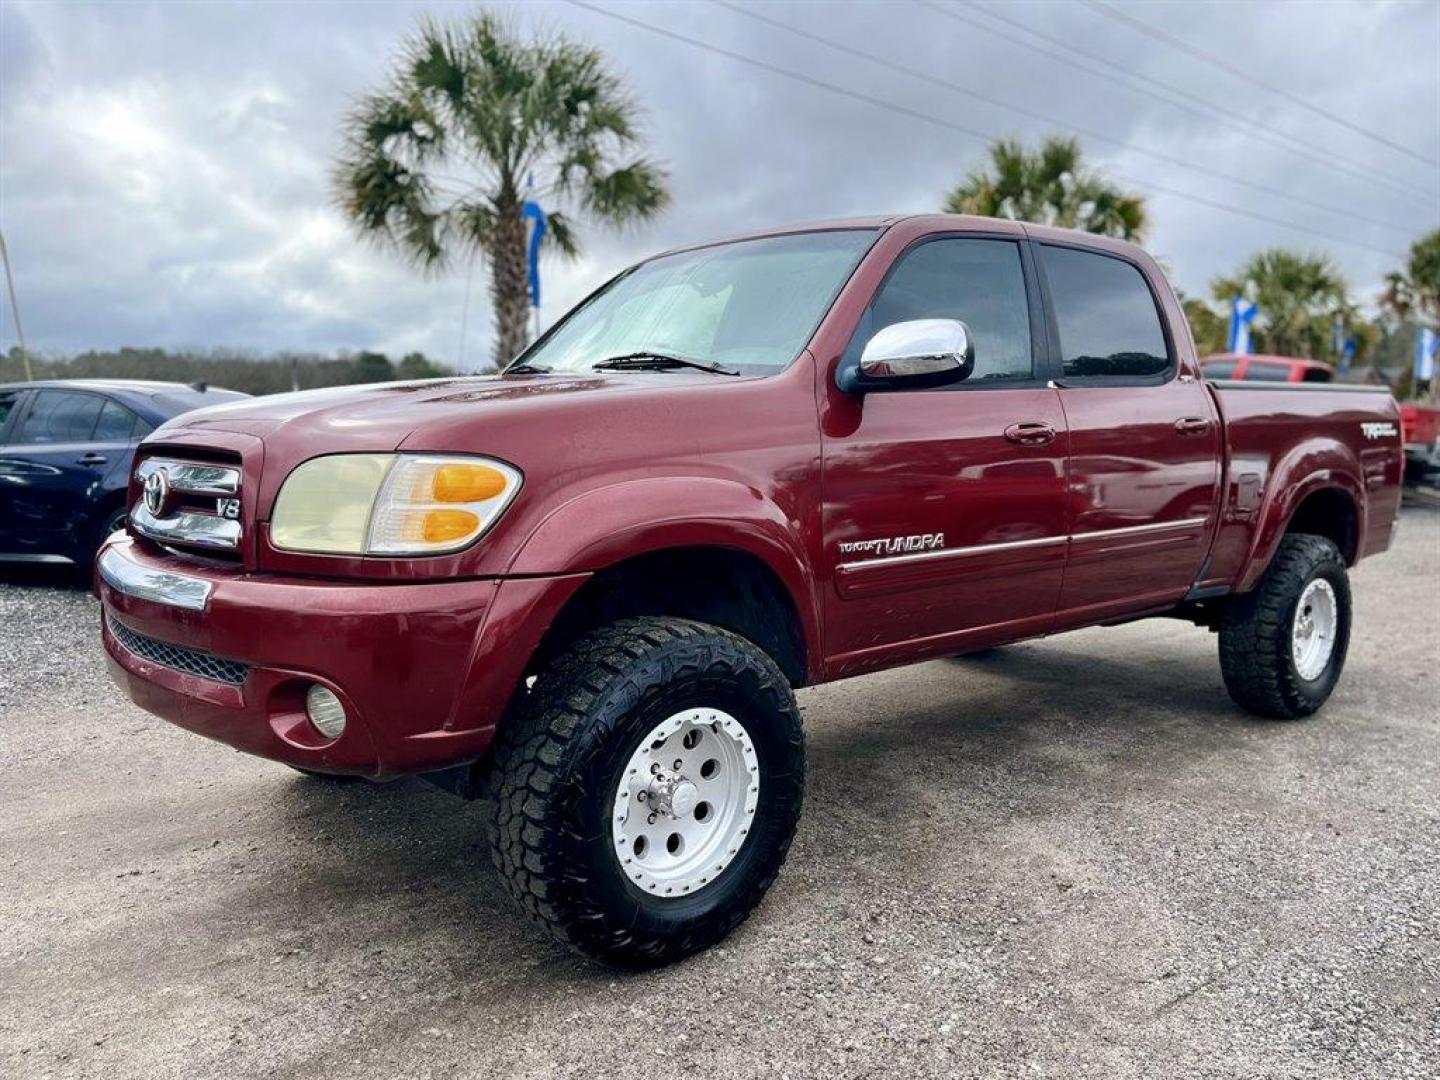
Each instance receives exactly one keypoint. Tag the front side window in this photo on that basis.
(749, 306)
(1109, 325)
(978, 282)
(1219, 369)
(60, 416)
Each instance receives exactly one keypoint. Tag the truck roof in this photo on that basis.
(930, 222)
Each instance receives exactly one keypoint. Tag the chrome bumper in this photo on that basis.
(157, 586)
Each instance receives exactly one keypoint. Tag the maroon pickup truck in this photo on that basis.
(585, 589)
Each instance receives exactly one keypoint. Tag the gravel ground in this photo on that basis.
(1066, 858)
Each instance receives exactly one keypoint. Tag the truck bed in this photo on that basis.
(1286, 440)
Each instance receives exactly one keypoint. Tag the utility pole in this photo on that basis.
(15, 309)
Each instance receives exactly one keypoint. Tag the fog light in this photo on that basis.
(325, 711)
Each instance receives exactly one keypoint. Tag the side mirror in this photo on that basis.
(917, 353)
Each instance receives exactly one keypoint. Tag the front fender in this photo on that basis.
(608, 525)
(1314, 466)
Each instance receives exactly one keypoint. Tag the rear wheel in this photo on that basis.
(645, 795)
(1282, 646)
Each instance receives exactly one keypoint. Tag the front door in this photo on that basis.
(944, 512)
(1145, 441)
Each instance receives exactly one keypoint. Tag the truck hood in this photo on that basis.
(383, 416)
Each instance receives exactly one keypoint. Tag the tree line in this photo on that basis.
(229, 368)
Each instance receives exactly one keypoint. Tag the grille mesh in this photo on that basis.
(179, 658)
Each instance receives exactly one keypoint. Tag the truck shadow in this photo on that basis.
(891, 756)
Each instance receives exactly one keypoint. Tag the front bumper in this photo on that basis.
(425, 671)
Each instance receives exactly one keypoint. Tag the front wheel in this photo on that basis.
(646, 793)
(1282, 646)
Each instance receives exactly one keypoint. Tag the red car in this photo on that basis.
(586, 588)
(1242, 366)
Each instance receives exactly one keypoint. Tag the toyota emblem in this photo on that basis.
(156, 492)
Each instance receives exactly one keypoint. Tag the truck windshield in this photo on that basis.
(748, 307)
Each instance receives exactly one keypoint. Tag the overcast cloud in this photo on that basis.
(164, 167)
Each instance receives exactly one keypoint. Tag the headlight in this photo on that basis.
(390, 504)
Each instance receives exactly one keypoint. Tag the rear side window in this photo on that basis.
(1316, 374)
(115, 424)
(979, 282)
(1263, 372)
(1220, 369)
(60, 416)
(1108, 322)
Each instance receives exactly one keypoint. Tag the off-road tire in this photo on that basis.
(1255, 652)
(559, 757)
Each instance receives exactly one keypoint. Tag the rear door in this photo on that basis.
(1145, 440)
(944, 508)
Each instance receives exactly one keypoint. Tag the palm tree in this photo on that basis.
(1298, 295)
(1415, 291)
(439, 164)
(1049, 186)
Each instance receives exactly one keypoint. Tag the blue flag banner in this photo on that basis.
(1427, 344)
(1242, 314)
(536, 217)
(1337, 335)
(1347, 354)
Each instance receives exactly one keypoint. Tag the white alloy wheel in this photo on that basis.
(1312, 634)
(685, 802)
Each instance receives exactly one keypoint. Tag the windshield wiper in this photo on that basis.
(525, 369)
(646, 360)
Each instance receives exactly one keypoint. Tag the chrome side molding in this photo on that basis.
(157, 586)
(1017, 545)
(950, 553)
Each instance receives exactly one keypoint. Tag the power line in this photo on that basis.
(988, 99)
(1175, 97)
(1240, 73)
(928, 118)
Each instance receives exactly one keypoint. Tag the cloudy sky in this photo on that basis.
(164, 167)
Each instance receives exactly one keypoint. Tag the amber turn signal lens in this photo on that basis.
(442, 526)
(467, 483)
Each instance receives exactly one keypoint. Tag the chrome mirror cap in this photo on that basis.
(930, 352)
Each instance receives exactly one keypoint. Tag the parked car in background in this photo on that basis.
(1420, 432)
(1243, 366)
(65, 451)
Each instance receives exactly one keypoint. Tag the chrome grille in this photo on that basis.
(178, 657)
(192, 504)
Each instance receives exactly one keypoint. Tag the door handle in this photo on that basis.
(93, 459)
(1192, 425)
(1030, 433)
